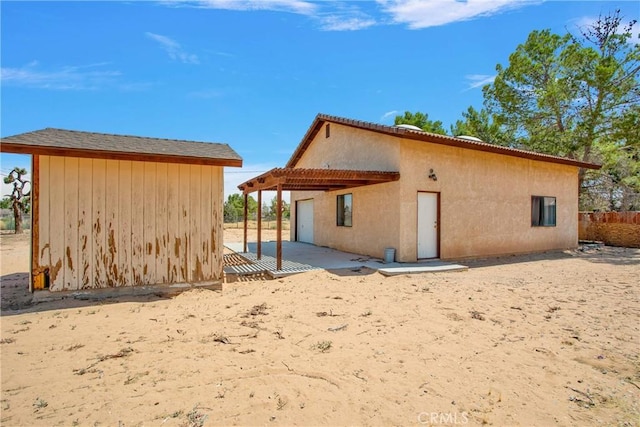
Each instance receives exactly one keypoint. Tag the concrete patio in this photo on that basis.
(299, 257)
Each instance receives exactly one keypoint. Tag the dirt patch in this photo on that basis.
(547, 339)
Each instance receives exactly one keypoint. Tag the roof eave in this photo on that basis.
(9, 147)
(450, 141)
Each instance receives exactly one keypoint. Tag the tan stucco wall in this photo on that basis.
(375, 224)
(485, 198)
(110, 223)
(485, 201)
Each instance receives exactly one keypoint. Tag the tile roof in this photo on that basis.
(73, 143)
(400, 132)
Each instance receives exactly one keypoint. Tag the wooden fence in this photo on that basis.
(612, 228)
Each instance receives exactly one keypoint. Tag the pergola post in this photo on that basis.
(259, 224)
(279, 226)
(246, 210)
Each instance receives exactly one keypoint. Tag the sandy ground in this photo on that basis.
(548, 339)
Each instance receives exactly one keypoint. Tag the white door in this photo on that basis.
(427, 225)
(304, 220)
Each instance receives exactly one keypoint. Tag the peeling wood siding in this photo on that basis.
(173, 222)
(161, 239)
(57, 221)
(137, 227)
(108, 223)
(85, 224)
(149, 211)
(71, 169)
(124, 224)
(44, 253)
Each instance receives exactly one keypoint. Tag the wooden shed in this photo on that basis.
(114, 210)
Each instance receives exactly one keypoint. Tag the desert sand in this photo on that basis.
(545, 339)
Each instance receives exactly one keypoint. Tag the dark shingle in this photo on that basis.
(99, 145)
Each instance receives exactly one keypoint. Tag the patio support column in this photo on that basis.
(279, 221)
(246, 210)
(259, 224)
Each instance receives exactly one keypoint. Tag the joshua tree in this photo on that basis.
(19, 196)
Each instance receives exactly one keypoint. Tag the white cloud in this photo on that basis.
(293, 6)
(331, 15)
(346, 23)
(479, 80)
(388, 114)
(423, 14)
(87, 77)
(173, 49)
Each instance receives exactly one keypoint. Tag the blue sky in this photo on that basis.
(254, 74)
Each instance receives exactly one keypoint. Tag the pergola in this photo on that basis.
(298, 179)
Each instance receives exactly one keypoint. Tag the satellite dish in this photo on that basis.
(410, 127)
(469, 138)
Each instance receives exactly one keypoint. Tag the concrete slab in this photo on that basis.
(305, 254)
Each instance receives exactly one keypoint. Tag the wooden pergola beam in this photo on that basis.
(296, 179)
(315, 179)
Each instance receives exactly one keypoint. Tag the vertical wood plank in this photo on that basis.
(206, 221)
(217, 196)
(137, 229)
(35, 220)
(162, 238)
(173, 222)
(71, 241)
(245, 214)
(149, 209)
(85, 223)
(124, 224)
(56, 226)
(184, 221)
(99, 222)
(279, 228)
(110, 260)
(195, 255)
(259, 225)
(44, 245)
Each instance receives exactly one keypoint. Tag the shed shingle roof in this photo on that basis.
(71, 143)
(399, 132)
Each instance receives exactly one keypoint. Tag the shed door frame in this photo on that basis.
(431, 240)
(300, 224)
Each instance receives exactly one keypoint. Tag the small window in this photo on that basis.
(543, 211)
(345, 209)
(327, 131)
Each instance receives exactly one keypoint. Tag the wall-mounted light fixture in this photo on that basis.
(432, 175)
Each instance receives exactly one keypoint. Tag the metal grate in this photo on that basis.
(266, 265)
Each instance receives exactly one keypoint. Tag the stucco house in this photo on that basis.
(115, 210)
(434, 196)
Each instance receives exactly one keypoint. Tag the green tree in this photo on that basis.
(575, 97)
(6, 203)
(286, 209)
(20, 197)
(234, 207)
(483, 125)
(422, 121)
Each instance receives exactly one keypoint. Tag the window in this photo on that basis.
(327, 131)
(543, 211)
(345, 209)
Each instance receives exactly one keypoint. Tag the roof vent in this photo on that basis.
(469, 138)
(410, 127)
